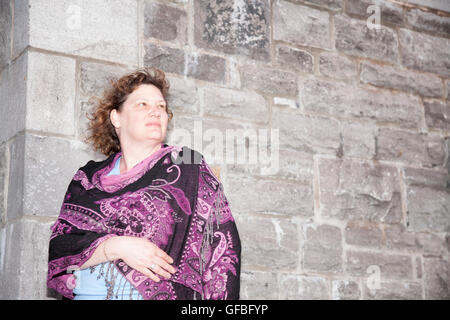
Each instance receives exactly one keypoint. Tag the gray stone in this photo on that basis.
(259, 285)
(290, 198)
(389, 12)
(390, 266)
(103, 29)
(447, 85)
(165, 23)
(435, 4)
(348, 101)
(305, 133)
(437, 278)
(51, 93)
(360, 191)
(299, 287)
(363, 234)
(16, 177)
(322, 250)
(355, 38)
(424, 52)
(330, 4)
(358, 139)
(50, 164)
(301, 25)
(337, 66)
(275, 249)
(13, 90)
(394, 290)
(11, 246)
(21, 29)
(299, 60)
(235, 104)
(183, 96)
(269, 80)
(427, 21)
(400, 79)
(4, 166)
(206, 67)
(233, 27)
(165, 58)
(6, 20)
(410, 147)
(419, 271)
(345, 290)
(428, 209)
(437, 114)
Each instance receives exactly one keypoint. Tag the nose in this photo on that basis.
(154, 111)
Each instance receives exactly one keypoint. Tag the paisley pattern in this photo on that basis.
(179, 207)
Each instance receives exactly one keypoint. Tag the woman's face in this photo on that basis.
(143, 118)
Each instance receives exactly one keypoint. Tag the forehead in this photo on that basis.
(147, 92)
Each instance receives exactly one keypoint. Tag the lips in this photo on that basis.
(153, 124)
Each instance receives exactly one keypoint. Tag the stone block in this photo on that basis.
(183, 96)
(103, 29)
(434, 4)
(259, 285)
(370, 265)
(412, 147)
(358, 139)
(322, 251)
(436, 278)
(424, 52)
(401, 79)
(337, 66)
(6, 26)
(21, 28)
(205, 67)
(296, 59)
(274, 249)
(4, 168)
(363, 234)
(51, 93)
(299, 287)
(348, 101)
(301, 25)
(428, 21)
(350, 190)
(353, 37)
(235, 104)
(437, 114)
(50, 164)
(394, 290)
(15, 179)
(306, 133)
(233, 27)
(330, 4)
(165, 58)
(389, 12)
(165, 22)
(345, 290)
(269, 80)
(13, 90)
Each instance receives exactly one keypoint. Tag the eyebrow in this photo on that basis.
(148, 100)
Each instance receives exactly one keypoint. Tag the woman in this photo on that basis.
(150, 221)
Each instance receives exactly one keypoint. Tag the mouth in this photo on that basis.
(153, 124)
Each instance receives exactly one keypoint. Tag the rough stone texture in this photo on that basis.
(434, 4)
(297, 287)
(166, 58)
(337, 66)
(428, 21)
(420, 148)
(4, 157)
(427, 200)
(353, 37)
(183, 96)
(259, 285)
(353, 102)
(390, 266)
(289, 18)
(323, 248)
(233, 27)
(15, 179)
(331, 4)
(424, 52)
(299, 60)
(352, 190)
(390, 77)
(437, 278)
(360, 233)
(358, 139)
(394, 290)
(5, 32)
(389, 12)
(51, 94)
(437, 114)
(276, 248)
(104, 30)
(165, 23)
(345, 290)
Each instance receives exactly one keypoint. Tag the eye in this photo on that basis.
(141, 103)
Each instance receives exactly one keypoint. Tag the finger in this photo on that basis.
(149, 274)
(158, 270)
(164, 265)
(160, 253)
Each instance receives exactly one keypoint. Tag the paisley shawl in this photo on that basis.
(174, 200)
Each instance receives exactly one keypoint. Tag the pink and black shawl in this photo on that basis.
(171, 198)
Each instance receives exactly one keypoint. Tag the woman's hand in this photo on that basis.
(141, 255)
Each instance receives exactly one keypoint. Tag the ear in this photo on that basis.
(115, 118)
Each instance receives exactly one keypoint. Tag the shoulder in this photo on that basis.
(94, 165)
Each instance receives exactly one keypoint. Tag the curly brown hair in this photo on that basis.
(102, 135)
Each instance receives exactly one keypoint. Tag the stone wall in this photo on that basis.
(360, 205)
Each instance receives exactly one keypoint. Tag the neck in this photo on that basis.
(131, 156)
